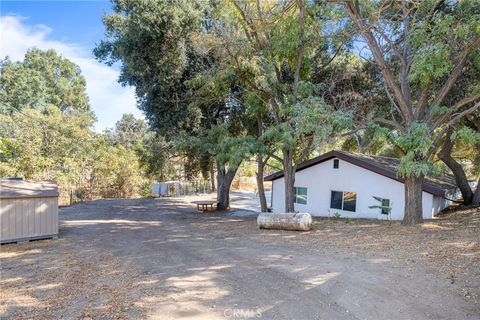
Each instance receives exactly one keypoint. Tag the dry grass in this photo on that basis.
(448, 246)
(75, 275)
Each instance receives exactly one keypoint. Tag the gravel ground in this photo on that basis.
(159, 259)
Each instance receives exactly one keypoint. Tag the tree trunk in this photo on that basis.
(224, 181)
(289, 178)
(360, 142)
(212, 177)
(460, 177)
(260, 187)
(476, 195)
(413, 200)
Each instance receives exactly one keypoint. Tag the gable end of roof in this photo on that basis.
(355, 160)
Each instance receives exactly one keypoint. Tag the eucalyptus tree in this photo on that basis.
(422, 48)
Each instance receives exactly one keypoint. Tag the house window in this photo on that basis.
(346, 201)
(300, 195)
(385, 206)
(336, 201)
(335, 163)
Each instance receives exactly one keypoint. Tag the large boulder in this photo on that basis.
(285, 221)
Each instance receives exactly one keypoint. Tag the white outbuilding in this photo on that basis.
(28, 210)
(352, 185)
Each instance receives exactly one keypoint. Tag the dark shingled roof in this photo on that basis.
(384, 166)
(27, 189)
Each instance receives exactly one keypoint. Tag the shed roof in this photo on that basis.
(27, 189)
(385, 166)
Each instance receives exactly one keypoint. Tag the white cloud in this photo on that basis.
(108, 99)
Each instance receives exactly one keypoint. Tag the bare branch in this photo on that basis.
(406, 56)
(403, 104)
(306, 151)
(387, 122)
(422, 102)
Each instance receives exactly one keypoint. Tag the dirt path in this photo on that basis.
(158, 259)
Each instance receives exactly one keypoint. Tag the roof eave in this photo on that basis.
(365, 165)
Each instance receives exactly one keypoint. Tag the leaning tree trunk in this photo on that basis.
(413, 200)
(260, 187)
(289, 179)
(460, 177)
(224, 181)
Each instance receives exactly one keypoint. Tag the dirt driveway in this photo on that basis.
(159, 259)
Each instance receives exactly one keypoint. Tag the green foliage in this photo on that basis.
(128, 131)
(47, 143)
(145, 189)
(42, 78)
(437, 35)
(152, 39)
(418, 139)
(467, 146)
(154, 156)
(414, 145)
(46, 132)
(116, 172)
(467, 136)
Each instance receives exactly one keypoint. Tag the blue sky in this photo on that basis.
(72, 28)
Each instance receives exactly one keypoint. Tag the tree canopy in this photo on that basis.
(43, 77)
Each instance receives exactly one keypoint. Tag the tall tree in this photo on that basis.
(154, 42)
(46, 143)
(217, 95)
(128, 131)
(43, 77)
(273, 46)
(421, 48)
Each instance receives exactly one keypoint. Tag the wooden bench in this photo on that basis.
(203, 205)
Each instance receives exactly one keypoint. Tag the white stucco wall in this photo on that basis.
(322, 178)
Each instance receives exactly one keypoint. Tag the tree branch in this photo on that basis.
(452, 122)
(456, 72)
(301, 46)
(354, 14)
(276, 158)
(457, 106)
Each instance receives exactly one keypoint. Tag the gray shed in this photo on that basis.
(28, 210)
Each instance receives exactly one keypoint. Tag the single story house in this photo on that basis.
(357, 186)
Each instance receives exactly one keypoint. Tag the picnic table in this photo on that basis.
(203, 205)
